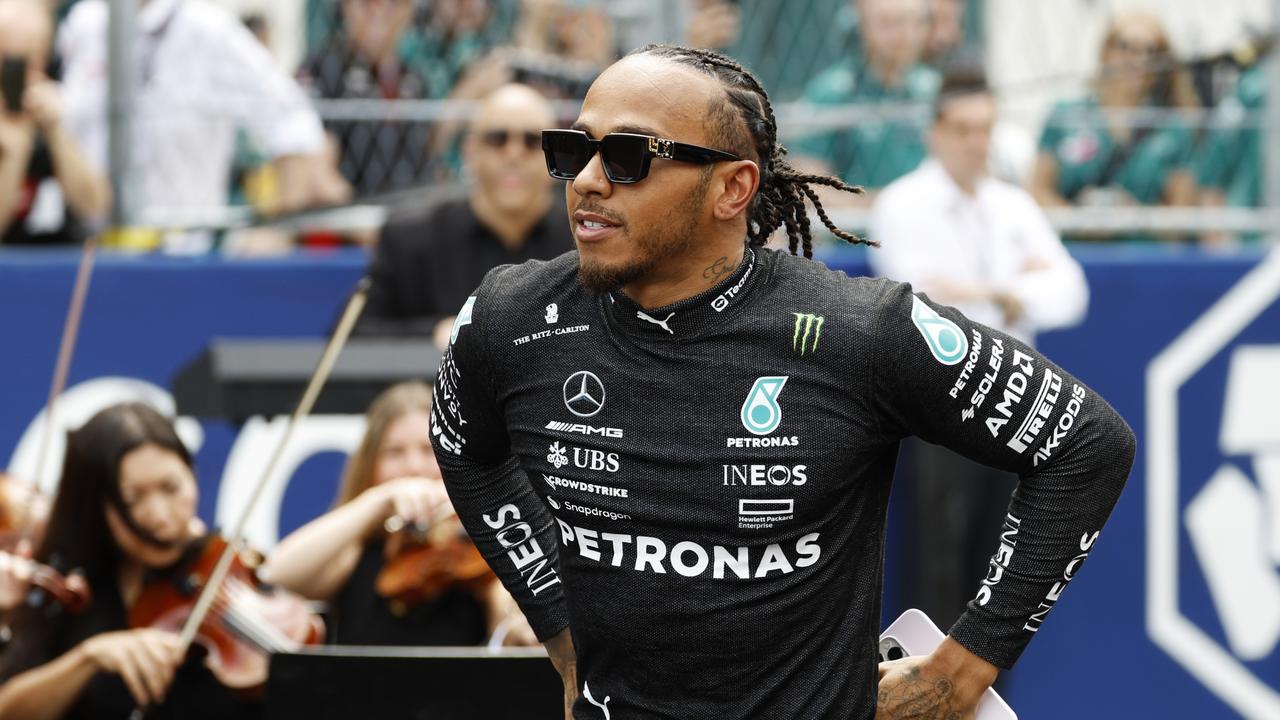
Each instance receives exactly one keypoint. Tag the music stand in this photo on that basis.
(424, 683)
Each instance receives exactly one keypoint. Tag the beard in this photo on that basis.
(670, 239)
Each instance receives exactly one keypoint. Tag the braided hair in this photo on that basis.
(780, 199)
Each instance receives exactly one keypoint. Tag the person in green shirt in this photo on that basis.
(1228, 164)
(1089, 157)
(874, 153)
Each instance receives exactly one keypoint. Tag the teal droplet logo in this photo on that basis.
(761, 413)
(944, 338)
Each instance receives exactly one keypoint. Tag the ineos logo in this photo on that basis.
(583, 394)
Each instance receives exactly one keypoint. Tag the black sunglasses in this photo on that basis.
(498, 139)
(625, 156)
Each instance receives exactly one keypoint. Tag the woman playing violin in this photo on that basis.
(340, 556)
(124, 512)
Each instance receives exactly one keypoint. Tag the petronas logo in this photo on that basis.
(945, 340)
(761, 412)
(808, 330)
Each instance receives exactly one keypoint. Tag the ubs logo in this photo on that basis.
(583, 393)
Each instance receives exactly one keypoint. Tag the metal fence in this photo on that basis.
(395, 141)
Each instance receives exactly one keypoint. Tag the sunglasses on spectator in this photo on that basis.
(498, 139)
(625, 156)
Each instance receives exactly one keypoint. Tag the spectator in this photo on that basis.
(873, 153)
(556, 47)
(427, 263)
(1088, 157)
(981, 244)
(946, 36)
(1229, 162)
(375, 55)
(200, 75)
(47, 190)
(713, 24)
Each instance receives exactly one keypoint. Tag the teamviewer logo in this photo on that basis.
(1215, 393)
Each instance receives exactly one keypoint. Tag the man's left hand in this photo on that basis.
(944, 685)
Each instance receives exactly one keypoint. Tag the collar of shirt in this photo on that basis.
(689, 317)
(947, 191)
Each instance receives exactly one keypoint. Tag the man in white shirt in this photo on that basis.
(983, 245)
(201, 75)
(969, 239)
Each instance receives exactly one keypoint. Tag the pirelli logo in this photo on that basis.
(807, 332)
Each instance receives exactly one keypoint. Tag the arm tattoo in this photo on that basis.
(914, 698)
(717, 268)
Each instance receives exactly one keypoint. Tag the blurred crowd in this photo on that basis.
(378, 106)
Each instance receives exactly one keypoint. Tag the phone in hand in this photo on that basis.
(13, 82)
(913, 633)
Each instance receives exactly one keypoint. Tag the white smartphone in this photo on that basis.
(913, 633)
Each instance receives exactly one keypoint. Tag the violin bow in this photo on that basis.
(336, 342)
(66, 349)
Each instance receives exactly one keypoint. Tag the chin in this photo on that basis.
(158, 559)
(600, 277)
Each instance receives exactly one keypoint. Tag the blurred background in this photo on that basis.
(242, 163)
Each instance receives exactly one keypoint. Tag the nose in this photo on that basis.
(592, 179)
(154, 513)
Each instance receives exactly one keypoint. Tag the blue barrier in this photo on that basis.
(1118, 647)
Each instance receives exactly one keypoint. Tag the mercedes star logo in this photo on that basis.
(583, 394)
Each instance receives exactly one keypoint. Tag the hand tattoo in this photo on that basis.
(914, 698)
(717, 268)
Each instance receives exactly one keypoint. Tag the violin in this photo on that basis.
(246, 622)
(23, 511)
(425, 560)
(23, 508)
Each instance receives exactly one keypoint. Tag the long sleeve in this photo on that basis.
(995, 400)
(1057, 295)
(492, 494)
(271, 103)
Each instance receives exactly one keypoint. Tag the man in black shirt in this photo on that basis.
(428, 261)
(682, 477)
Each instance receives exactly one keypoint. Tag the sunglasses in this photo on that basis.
(498, 139)
(625, 156)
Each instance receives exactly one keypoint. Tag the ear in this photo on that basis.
(737, 183)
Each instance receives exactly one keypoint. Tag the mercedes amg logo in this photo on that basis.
(583, 394)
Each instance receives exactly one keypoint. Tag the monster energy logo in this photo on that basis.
(806, 323)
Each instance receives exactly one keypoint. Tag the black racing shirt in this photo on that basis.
(699, 491)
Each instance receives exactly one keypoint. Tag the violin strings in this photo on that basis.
(252, 629)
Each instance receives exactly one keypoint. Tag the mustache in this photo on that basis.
(597, 209)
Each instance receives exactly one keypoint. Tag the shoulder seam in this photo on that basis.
(873, 371)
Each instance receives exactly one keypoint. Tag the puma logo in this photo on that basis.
(660, 323)
(586, 693)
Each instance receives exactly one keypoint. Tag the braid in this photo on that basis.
(780, 200)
